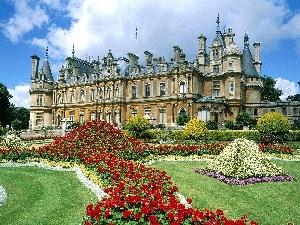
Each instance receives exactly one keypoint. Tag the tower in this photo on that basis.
(41, 94)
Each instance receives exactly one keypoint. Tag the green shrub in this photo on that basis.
(212, 125)
(273, 127)
(182, 120)
(195, 129)
(137, 126)
(228, 124)
(244, 118)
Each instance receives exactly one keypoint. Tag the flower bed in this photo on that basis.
(136, 194)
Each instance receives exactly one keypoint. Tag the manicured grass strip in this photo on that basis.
(266, 203)
(40, 196)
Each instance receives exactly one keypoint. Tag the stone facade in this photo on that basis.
(220, 83)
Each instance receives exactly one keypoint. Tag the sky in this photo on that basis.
(94, 27)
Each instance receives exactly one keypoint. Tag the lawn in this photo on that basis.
(40, 196)
(266, 203)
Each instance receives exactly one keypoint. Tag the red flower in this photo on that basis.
(138, 216)
(127, 214)
(152, 219)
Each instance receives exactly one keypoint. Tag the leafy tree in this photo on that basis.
(16, 124)
(182, 119)
(295, 97)
(269, 92)
(22, 115)
(244, 118)
(5, 106)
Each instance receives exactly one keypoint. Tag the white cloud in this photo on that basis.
(25, 19)
(287, 87)
(21, 97)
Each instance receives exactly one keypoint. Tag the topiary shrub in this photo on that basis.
(182, 120)
(241, 162)
(273, 126)
(195, 129)
(212, 125)
(137, 126)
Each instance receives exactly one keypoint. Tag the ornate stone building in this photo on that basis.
(221, 82)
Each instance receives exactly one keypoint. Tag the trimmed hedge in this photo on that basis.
(223, 135)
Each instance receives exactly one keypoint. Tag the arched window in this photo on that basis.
(182, 111)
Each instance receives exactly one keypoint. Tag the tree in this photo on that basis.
(182, 119)
(295, 97)
(22, 115)
(269, 92)
(244, 118)
(5, 106)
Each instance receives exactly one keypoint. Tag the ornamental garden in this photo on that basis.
(122, 164)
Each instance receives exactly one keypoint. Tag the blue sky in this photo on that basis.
(27, 27)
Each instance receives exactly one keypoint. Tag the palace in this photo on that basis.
(221, 82)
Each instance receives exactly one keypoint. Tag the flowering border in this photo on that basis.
(250, 180)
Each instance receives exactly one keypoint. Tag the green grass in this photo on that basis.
(266, 203)
(40, 196)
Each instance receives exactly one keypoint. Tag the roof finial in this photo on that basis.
(47, 53)
(73, 51)
(246, 40)
(218, 22)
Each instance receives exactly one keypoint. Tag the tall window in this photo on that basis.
(148, 112)
(147, 90)
(92, 97)
(81, 95)
(117, 92)
(182, 111)
(133, 112)
(203, 114)
(108, 92)
(162, 116)
(182, 87)
(81, 117)
(39, 101)
(231, 86)
(216, 88)
(39, 119)
(162, 89)
(295, 111)
(216, 69)
(72, 97)
(133, 91)
(92, 115)
(108, 116)
(255, 112)
(100, 93)
(59, 98)
(72, 116)
(41, 84)
(284, 112)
